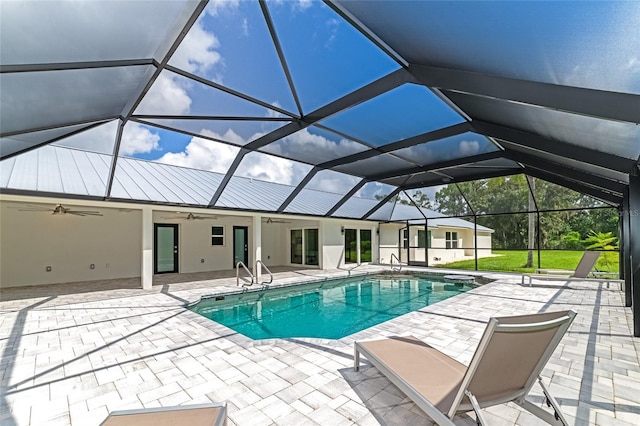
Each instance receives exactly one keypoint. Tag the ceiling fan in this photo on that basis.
(59, 209)
(190, 216)
(271, 220)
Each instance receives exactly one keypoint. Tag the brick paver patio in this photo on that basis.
(72, 353)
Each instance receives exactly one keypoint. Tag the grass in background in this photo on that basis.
(514, 261)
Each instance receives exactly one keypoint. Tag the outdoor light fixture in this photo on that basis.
(342, 230)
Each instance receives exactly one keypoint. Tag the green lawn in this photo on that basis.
(514, 261)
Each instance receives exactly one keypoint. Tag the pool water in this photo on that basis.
(330, 309)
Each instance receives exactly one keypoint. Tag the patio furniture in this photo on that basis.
(583, 271)
(213, 414)
(508, 361)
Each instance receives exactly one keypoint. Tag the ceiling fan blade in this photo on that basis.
(85, 212)
(35, 210)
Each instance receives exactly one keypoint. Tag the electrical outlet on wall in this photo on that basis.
(201, 260)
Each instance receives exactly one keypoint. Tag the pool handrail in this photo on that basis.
(351, 269)
(260, 264)
(238, 265)
(393, 256)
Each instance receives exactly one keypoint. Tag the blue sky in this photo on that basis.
(327, 58)
(230, 45)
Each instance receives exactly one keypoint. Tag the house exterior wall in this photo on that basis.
(389, 242)
(333, 240)
(438, 253)
(196, 253)
(32, 240)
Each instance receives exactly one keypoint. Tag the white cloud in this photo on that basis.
(302, 5)
(204, 154)
(273, 169)
(245, 27)
(99, 139)
(633, 65)
(197, 54)
(137, 139)
(332, 27)
(305, 144)
(214, 7)
(167, 96)
(469, 147)
(270, 113)
(334, 182)
(372, 189)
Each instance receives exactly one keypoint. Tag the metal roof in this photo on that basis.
(55, 169)
(401, 93)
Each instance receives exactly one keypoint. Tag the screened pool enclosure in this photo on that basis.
(365, 103)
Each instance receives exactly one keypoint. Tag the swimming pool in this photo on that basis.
(329, 309)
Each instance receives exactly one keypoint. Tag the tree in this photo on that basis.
(421, 199)
(605, 241)
(532, 224)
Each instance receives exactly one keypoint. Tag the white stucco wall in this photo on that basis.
(195, 242)
(31, 241)
(333, 239)
(333, 250)
(438, 253)
(389, 242)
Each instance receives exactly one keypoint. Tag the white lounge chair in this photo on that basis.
(213, 414)
(508, 361)
(583, 272)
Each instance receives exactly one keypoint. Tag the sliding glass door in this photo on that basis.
(305, 247)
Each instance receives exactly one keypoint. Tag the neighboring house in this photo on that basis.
(444, 240)
(156, 223)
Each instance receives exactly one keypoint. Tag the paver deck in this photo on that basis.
(72, 353)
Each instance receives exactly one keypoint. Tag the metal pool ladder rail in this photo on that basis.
(259, 264)
(238, 265)
(393, 256)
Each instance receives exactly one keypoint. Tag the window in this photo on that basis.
(405, 238)
(422, 241)
(217, 235)
(452, 240)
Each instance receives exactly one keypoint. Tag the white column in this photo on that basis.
(257, 244)
(321, 251)
(146, 274)
(375, 238)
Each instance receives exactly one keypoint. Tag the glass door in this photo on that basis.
(240, 245)
(365, 245)
(311, 247)
(296, 246)
(166, 249)
(350, 246)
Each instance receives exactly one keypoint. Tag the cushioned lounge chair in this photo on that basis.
(508, 361)
(214, 414)
(583, 272)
